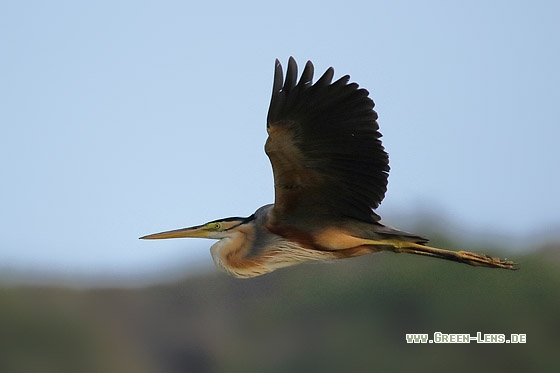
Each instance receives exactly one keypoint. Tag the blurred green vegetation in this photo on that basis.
(351, 315)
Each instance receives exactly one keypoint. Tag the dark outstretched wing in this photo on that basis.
(325, 148)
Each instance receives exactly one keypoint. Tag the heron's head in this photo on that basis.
(216, 229)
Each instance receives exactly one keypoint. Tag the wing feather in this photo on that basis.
(325, 148)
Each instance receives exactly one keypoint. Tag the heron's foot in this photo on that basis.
(485, 260)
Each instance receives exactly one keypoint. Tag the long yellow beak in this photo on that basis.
(192, 232)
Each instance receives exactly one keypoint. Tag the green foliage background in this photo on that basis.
(350, 315)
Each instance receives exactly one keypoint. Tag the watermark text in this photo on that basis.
(439, 337)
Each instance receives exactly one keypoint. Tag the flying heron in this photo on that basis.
(330, 173)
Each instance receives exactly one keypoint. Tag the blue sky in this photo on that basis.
(124, 118)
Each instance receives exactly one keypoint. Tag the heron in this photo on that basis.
(330, 174)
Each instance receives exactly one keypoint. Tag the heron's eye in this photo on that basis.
(217, 226)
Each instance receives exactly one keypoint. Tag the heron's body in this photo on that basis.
(256, 249)
(330, 172)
